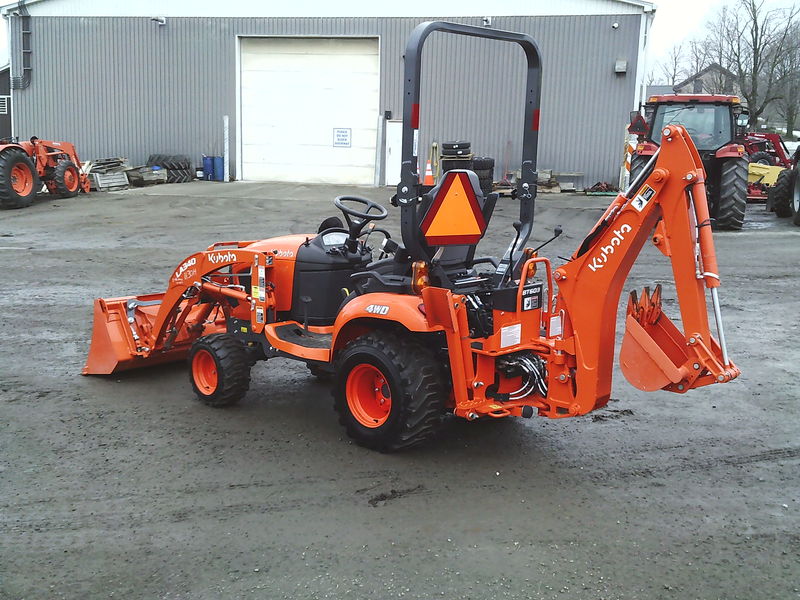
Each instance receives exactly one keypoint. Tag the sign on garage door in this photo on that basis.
(309, 109)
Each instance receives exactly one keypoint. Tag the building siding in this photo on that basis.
(125, 86)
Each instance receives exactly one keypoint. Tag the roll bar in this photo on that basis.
(408, 190)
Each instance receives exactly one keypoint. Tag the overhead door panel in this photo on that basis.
(309, 109)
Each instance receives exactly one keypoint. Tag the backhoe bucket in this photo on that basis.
(119, 326)
(652, 355)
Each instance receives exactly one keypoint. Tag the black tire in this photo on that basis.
(456, 145)
(732, 194)
(449, 165)
(170, 161)
(483, 163)
(321, 373)
(794, 203)
(638, 161)
(179, 175)
(487, 185)
(416, 388)
(483, 173)
(67, 179)
(12, 160)
(762, 158)
(455, 151)
(781, 193)
(231, 364)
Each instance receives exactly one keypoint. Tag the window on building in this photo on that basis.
(5, 101)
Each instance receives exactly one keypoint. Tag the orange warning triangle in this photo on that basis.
(454, 217)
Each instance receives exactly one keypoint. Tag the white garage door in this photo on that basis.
(309, 109)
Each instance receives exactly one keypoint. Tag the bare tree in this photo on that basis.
(672, 70)
(788, 104)
(751, 41)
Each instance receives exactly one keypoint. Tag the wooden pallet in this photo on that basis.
(104, 182)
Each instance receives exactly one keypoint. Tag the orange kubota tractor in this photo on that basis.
(427, 328)
(24, 166)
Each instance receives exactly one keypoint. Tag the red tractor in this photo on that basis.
(716, 124)
(24, 166)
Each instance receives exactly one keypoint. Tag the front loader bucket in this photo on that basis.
(116, 340)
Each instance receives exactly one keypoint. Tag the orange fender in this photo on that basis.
(353, 320)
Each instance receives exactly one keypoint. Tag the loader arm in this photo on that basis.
(669, 196)
(135, 331)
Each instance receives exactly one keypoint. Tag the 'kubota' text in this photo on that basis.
(598, 262)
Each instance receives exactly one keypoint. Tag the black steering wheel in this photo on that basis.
(358, 219)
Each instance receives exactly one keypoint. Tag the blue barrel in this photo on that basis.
(219, 168)
(208, 168)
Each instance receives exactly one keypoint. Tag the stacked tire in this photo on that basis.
(458, 155)
(179, 167)
(784, 196)
(484, 169)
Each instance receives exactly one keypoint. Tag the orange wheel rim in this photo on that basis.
(204, 371)
(368, 395)
(71, 180)
(21, 179)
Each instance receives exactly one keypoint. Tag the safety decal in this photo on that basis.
(643, 197)
(532, 297)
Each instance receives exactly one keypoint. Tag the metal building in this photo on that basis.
(315, 96)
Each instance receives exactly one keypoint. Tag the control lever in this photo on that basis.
(306, 300)
(556, 232)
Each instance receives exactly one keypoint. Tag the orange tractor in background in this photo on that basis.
(427, 328)
(24, 166)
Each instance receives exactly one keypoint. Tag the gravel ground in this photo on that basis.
(127, 487)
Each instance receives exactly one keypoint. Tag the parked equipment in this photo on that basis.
(784, 196)
(767, 149)
(717, 126)
(24, 166)
(427, 328)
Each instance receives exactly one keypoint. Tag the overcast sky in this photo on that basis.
(675, 20)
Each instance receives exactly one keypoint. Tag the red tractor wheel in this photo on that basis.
(18, 179)
(67, 179)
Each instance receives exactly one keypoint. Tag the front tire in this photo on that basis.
(219, 369)
(67, 179)
(762, 158)
(732, 194)
(389, 391)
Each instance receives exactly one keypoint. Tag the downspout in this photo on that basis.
(21, 82)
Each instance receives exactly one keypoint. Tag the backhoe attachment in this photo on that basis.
(667, 205)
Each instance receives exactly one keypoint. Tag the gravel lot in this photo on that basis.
(127, 487)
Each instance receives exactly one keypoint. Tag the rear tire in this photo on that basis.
(219, 369)
(732, 194)
(638, 161)
(67, 179)
(782, 193)
(389, 391)
(18, 179)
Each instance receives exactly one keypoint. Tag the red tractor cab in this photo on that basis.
(716, 124)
